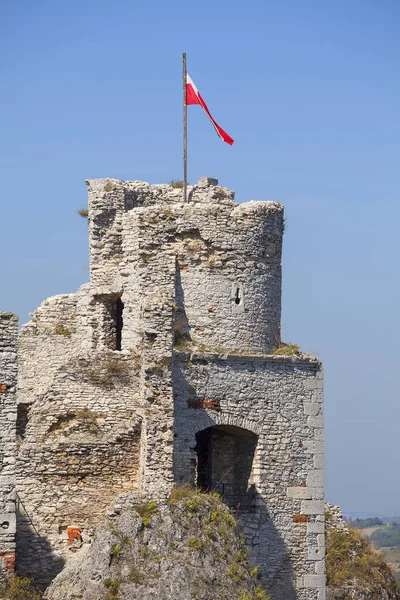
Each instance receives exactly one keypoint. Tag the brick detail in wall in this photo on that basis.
(204, 403)
(74, 534)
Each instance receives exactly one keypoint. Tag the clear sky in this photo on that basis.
(310, 92)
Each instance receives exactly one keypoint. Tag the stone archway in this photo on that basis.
(225, 463)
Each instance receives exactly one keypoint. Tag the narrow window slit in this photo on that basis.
(119, 323)
(238, 298)
(22, 419)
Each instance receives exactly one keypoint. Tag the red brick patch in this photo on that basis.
(9, 559)
(3, 388)
(74, 533)
(204, 403)
(300, 518)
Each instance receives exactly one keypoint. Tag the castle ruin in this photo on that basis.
(163, 370)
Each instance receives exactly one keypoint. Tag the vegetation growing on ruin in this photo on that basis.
(83, 212)
(60, 329)
(190, 543)
(286, 350)
(72, 422)
(109, 186)
(112, 585)
(352, 561)
(19, 588)
(176, 183)
(181, 341)
(105, 369)
(146, 511)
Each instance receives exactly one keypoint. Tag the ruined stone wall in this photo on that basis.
(122, 383)
(79, 431)
(228, 255)
(279, 399)
(8, 417)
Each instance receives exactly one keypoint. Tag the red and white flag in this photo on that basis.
(193, 96)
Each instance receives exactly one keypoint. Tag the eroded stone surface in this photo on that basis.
(190, 549)
(159, 371)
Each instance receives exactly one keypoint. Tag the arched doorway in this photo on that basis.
(225, 461)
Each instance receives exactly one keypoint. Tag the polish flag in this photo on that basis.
(193, 96)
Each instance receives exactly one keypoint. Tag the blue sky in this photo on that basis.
(310, 92)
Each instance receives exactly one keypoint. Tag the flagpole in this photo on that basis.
(184, 128)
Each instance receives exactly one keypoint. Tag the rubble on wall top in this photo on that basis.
(107, 193)
(141, 193)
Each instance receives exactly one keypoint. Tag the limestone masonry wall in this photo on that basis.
(8, 417)
(160, 371)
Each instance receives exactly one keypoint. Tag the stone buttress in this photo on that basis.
(164, 369)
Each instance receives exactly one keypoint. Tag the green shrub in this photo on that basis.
(261, 594)
(60, 329)
(115, 551)
(136, 576)
(181, 492)
(19, 588)
(83, 212)
(286, 350)
(181, 341)
(195, 544)
(146, 511)
(176, 183)
(112, 585)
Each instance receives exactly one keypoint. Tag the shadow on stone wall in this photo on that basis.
(267, 549)
(34, 556)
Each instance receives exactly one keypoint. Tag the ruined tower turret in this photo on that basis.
(228, 258)
(165, 369)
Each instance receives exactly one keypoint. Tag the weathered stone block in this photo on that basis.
(314, 581)
(302, 493)
(312, 507)
(315, 478)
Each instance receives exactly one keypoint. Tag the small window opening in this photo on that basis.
(22, 419)
(119, 323)
(238, 298)
(111, 310)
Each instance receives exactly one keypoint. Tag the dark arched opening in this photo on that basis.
(225, 459)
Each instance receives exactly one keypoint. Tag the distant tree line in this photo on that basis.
(387, 536)
(364, 523)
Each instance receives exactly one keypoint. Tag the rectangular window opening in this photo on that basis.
(110, 313)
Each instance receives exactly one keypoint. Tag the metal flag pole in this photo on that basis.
(184, 128)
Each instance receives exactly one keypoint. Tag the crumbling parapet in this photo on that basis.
(8, 418)
(228, 257)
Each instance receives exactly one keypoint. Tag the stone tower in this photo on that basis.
(168, 368)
